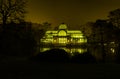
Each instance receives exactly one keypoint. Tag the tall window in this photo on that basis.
(63, 40)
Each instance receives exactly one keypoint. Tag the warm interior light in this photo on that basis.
(62, 33)
(62, 36)
(112, 50)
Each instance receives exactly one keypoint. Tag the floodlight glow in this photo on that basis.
(64, 36)
(62, 33)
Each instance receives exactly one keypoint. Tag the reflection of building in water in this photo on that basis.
(63, 37)
(69, 50)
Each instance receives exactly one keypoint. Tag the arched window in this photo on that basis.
(62, 33)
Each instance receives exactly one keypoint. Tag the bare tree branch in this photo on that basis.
(12, 10)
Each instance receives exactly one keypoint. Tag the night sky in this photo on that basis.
(72, 12)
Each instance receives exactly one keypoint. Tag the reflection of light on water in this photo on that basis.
(44, 49)
(78, 50)
(69, 50)
(82, 50)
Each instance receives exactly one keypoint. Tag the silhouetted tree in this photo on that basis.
(46, 25)
(53, 55)
(18, 40)
(99, 35)
(103, 34)
(83, 58)
(114, 17)
(87, 28)
(12, 10)
(56, 28)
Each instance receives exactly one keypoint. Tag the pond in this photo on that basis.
(69, 50)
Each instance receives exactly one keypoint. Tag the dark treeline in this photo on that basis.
(17, 39)
(20, 38)
(61, 56)
(104, 37)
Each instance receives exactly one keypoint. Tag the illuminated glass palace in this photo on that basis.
(63, 37)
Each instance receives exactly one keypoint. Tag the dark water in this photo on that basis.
(59, 71)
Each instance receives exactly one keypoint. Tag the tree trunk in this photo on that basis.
(4, 23)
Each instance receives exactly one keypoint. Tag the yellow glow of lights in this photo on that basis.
(62, 33)
(63, 26)
(113, 50)
(62, 40)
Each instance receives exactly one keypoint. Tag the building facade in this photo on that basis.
(63, 37)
